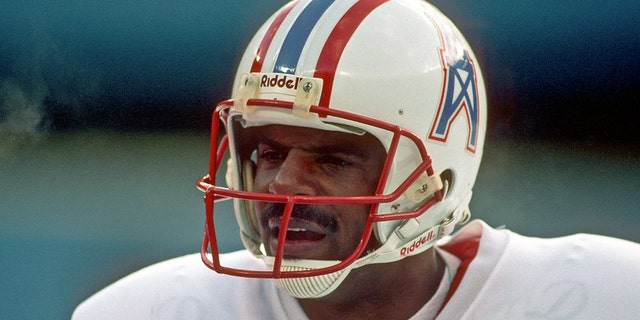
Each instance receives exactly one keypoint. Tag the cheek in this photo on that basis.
(361, 185)
(354, 218)
(261, 181)
(352, 221)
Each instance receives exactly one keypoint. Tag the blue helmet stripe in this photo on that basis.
(296, 38)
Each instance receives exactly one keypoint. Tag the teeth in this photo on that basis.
(297, 229)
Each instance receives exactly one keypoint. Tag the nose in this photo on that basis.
(294, 175)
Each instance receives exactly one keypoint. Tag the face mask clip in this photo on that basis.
(246, 90)
(307, 94)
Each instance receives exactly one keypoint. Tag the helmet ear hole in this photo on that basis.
(447, 180)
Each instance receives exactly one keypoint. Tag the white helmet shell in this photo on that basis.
(401, 61)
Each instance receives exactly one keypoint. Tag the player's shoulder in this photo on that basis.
(181, 286)
(565, 254)
(515, 276)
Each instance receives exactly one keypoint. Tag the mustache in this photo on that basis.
(307, 212)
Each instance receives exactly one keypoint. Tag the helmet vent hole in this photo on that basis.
(447, 175)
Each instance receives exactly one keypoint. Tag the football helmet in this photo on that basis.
(397, 69)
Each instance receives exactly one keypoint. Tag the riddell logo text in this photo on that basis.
(416, 244)
(279, 81)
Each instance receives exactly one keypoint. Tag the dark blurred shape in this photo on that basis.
(555, 70)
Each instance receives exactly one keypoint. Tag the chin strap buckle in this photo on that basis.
(460, 215)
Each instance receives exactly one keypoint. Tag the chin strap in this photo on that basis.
(322, 285)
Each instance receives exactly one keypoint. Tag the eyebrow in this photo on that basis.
(342, 148)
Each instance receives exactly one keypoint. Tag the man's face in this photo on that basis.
(304, 161)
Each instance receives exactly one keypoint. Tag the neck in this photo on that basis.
(383, 291)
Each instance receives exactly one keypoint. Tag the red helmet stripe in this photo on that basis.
(268, 37)
(337, 41)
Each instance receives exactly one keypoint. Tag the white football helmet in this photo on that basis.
(398, 69)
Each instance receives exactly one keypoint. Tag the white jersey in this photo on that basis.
(495, 274)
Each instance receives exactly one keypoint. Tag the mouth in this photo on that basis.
(298, 234)
(298, 230)
(301, 237)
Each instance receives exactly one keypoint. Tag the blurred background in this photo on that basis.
(105, 109)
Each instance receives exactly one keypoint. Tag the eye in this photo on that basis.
(335, 161)
(268, 154)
